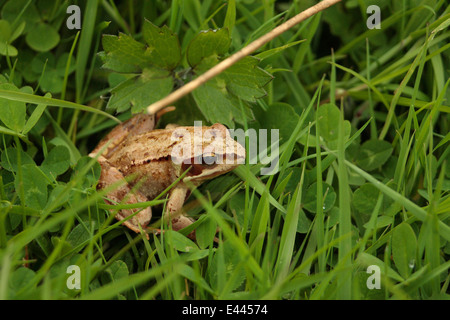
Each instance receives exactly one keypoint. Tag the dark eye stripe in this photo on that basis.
(197, 168)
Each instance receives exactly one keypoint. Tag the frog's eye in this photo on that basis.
(209, 160)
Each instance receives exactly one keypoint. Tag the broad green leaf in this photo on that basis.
(310, 198)
(373, 154)
(123, 53)
(78, 235)
(34, 184)
(57, 161)
(9, 159)
(5, 31)
(27, 9)
(91, 177)
(246, 80)
(57, 197)
(197, 255)
(381, 222)
(404, 246)
(328, 115)
(52, 82)
(17, 32)
(360, 278)
(295, 173)
(279, 116)
(365, 259)
(43, 37)
(303, 223)
(413, 208)
(224, 265)
(179, 241)
(206, 232)
(366, 197)
(163, 46)
(63, 140)
(65, 246)
(60, 267)
(7, 50)
(117, 270)
(12, 112)
(141, 91)
(208, 43)
(51, 70)
(6, 38)
(42, 62)
(216, 105)
(20, 278)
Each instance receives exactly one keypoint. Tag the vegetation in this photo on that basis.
(363, 175)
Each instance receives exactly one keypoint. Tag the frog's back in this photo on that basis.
(146, 147)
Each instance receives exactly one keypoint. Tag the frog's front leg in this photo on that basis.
(174, 207)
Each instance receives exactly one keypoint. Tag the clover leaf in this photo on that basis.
(7, 36)
(12, 112)
(41, 35)
(52, 70)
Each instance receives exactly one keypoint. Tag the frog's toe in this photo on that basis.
(141, 219)
(182, 222)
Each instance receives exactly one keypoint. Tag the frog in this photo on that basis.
(149, 160)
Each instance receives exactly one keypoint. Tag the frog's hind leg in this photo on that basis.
(123, 194)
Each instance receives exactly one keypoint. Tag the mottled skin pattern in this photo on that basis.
(136, 150)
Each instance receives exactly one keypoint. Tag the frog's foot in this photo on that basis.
(182, 222)
(125, 195)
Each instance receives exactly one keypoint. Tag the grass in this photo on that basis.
(363, 174)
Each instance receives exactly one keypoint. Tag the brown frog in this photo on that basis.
(156, 158)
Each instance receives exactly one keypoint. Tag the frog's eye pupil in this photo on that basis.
(208, 160)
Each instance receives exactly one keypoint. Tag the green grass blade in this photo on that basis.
(345, 246)
(418, 212)
(30, 98)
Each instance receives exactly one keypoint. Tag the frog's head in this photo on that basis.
(207, 152)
